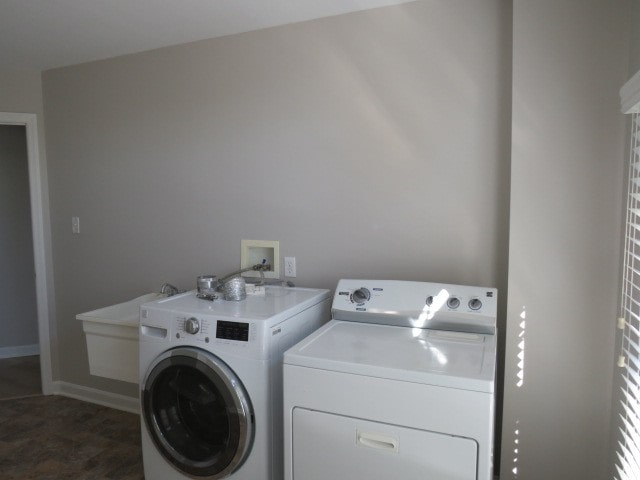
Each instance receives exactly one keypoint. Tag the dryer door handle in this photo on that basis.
(377, 441)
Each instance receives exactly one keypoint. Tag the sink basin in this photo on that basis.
(126, 313)
(112, 338)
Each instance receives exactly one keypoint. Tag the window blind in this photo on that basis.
(627, 449)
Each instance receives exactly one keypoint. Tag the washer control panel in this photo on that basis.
(207, 330)
(417, 304)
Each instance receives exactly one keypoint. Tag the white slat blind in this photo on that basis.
(627, 465)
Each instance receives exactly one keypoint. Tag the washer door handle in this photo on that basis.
(377, 441)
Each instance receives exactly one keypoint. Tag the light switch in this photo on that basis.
(75, 224)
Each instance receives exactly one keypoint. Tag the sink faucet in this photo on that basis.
(169, 290)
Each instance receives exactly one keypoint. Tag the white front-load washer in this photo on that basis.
(211, 381)
(399, 384)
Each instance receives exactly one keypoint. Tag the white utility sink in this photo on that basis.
(112, 338)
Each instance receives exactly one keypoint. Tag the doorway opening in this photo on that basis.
(25, 313)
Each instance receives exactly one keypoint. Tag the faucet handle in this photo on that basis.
(169, 290)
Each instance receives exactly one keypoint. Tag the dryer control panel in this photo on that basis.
(417, 305)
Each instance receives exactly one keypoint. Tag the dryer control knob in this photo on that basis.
(360, 295)
(453, 303)
(475, 304)
(192, 325)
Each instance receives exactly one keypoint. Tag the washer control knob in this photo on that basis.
(361, 295)
(453, 302)
(192, 325)
(475, 304)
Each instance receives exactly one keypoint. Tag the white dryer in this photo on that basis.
(211, 381)
(400, 384)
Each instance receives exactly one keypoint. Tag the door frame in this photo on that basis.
(30, 122)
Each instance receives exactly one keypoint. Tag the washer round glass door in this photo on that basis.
(197, 412)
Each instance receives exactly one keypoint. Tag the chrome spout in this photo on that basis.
(169, 290)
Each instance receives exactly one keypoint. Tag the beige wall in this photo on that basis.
(20, 91)
(372, 144)
(569, 60)
(634, 57)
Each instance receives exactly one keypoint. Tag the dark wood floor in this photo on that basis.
(20, 377)
(55, 437)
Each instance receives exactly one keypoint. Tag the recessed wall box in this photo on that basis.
(254, 252)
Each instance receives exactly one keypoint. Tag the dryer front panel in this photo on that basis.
(330, 446)
(197, 412)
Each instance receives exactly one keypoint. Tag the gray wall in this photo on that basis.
(634, 57)
(372, 144)
(18, 314)
(20, 91)
(570, 58)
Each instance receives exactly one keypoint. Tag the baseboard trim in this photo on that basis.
(20, 351)
(99, 397)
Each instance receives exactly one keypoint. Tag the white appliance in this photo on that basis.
(211, 381)
(400, 384)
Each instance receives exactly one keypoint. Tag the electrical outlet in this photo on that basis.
(289, 266)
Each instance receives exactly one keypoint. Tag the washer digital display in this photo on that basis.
(232, 331)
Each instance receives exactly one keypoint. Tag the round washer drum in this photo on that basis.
(197, 412)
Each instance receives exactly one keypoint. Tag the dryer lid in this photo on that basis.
(441, 358)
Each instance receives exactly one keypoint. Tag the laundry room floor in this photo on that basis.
(54, 437)
(20, 377)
